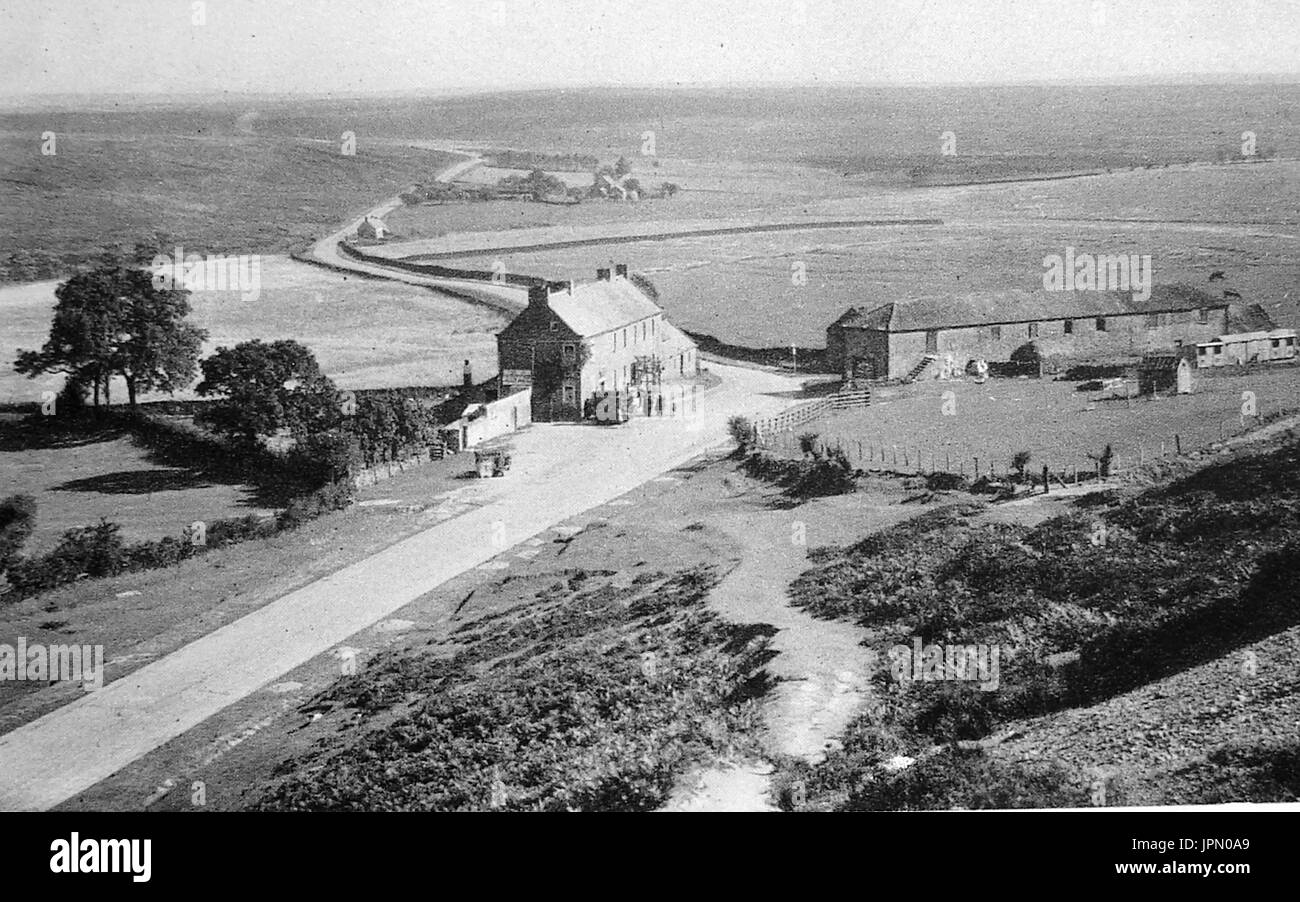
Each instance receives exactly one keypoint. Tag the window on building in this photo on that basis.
(995, 332)
(569, 353)
(1068, 327)
(555, 325)
(625, 338)
(1202, 315)
(1033, 330)
(569, 393)
(1101, 324)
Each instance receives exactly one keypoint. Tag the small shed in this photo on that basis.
(372, 227)
(1166, 372)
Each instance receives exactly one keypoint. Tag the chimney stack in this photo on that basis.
(539, 295)
(620, 270)
(602, 275)
(467, 375)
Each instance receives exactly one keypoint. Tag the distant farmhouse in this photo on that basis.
(372, 227)
(574, 344)
(900, 339)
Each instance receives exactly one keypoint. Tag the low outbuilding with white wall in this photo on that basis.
(484, 421)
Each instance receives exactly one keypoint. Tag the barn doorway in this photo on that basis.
(932, 341)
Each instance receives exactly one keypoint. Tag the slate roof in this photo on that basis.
(602, 306)
(1019, 306)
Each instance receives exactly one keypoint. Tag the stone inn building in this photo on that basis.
(900, 339)
(573, 344)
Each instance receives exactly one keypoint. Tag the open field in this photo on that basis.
(994, 237)
(78, 481)
(366, 333)
(840, 129)
(1059, 426)
(218, 193)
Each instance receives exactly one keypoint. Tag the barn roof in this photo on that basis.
(1168, 361)
(1019, 306)
(1248, 318)
(591, 308)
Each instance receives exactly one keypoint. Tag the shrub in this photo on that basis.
(17, 519)
(829, 475)
(1019, 462)
(85, 551)
(945, 482)
(954, 779)
(808, 443)
(743, 433)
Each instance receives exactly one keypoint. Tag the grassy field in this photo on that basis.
(78, 481)
(365, 333)
(225, 193)
(1191, 221)
(1058, 425)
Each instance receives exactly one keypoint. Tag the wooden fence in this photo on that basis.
(771, 429)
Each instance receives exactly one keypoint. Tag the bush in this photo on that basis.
(1019, 462)
(972, 780)
(945, 482)
(743, 433)
(17, 519)
(85, 551)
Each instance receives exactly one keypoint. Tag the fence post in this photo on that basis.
(1178, 443)
(977, 468)
(1046, 485)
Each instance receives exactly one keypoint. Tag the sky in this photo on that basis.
(391, 46)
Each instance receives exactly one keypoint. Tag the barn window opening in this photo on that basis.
(568, 353)
(1068, 327)
(1202, 315)
(1033, 330)
(555, 326)
(995, 332)
(1101, 324)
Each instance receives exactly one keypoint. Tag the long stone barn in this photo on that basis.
(573, 344)
(901, 339)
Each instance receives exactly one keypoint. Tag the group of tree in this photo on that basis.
(113, 321)
(537, 184)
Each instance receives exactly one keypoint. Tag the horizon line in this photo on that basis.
(1172, 80)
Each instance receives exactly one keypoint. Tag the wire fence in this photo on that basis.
(1128, 461)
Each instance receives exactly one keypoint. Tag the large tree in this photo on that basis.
(267, 386)
(113, 321)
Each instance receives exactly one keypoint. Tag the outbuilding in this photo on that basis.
(1164, 373)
